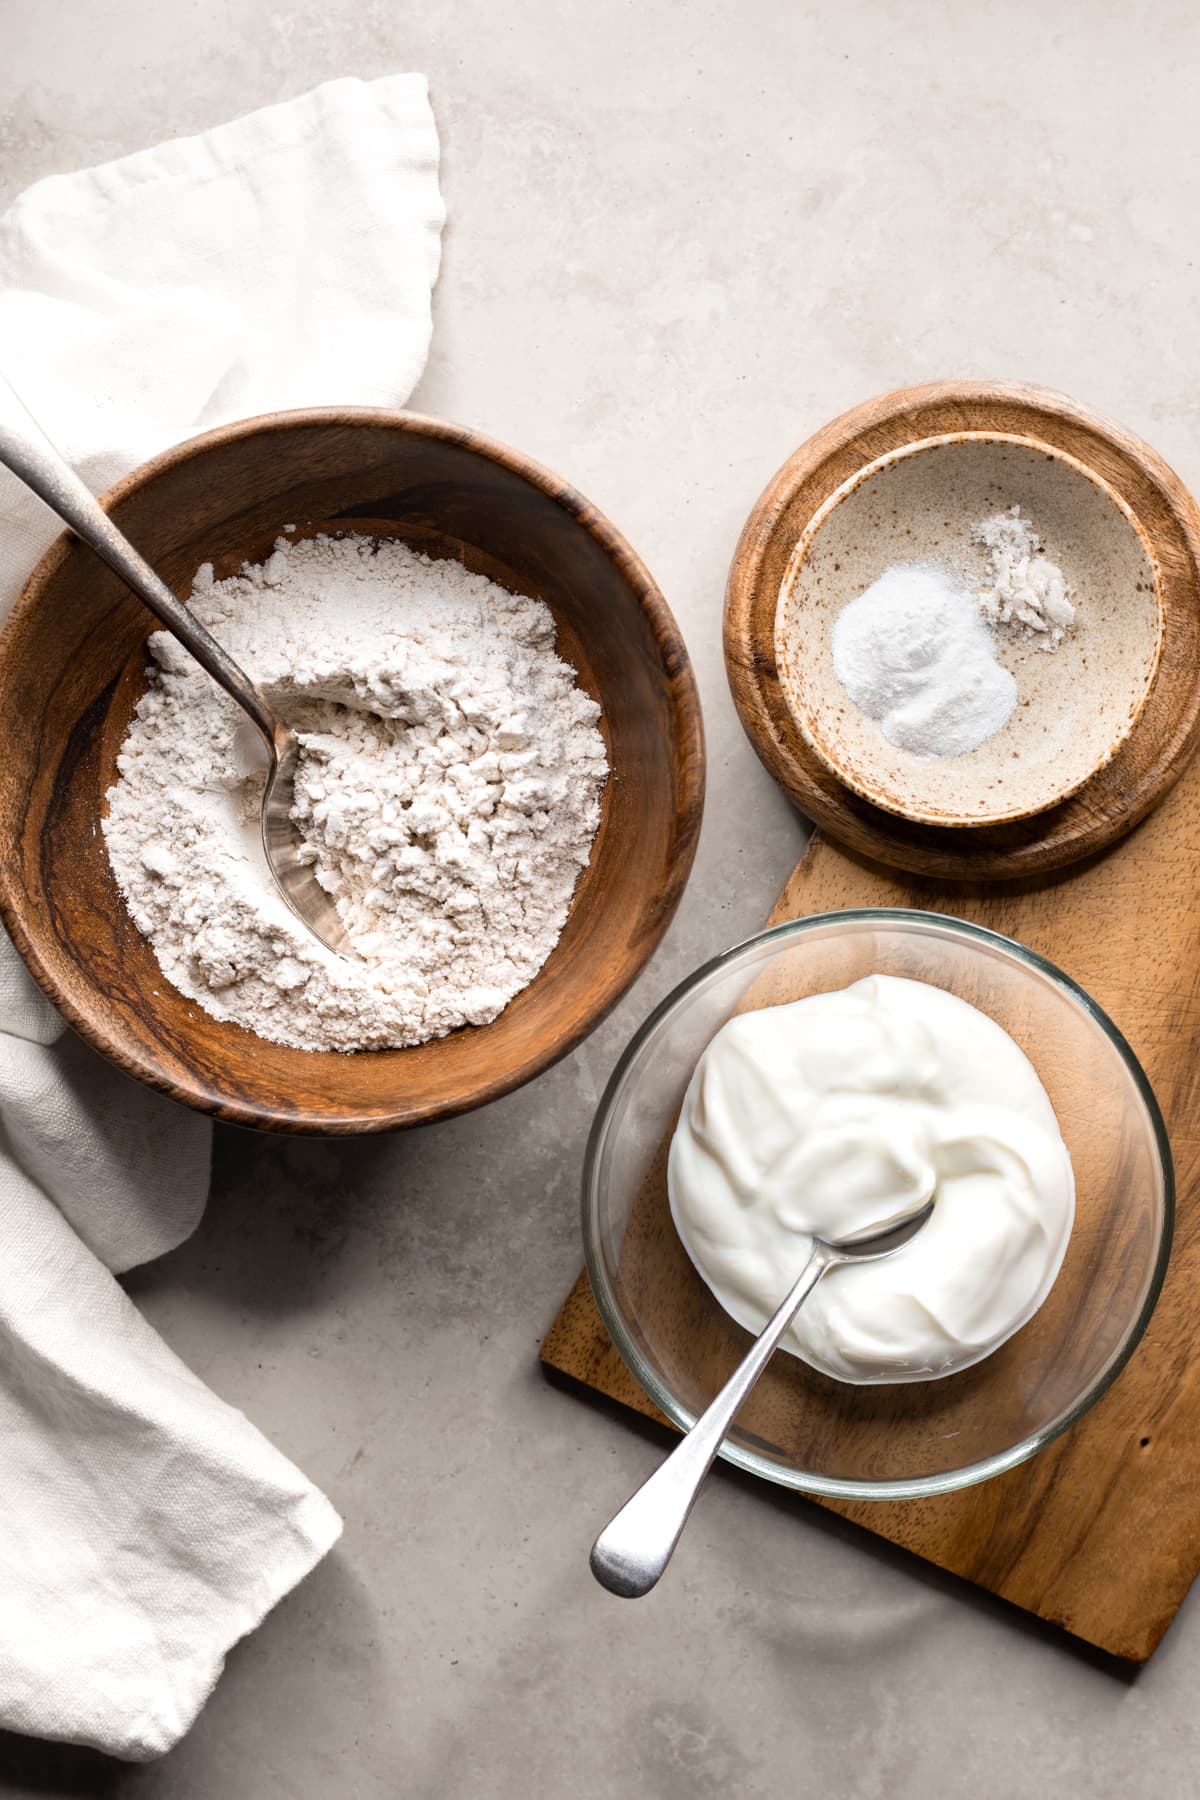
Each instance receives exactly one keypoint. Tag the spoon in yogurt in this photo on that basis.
(25, 449)
(634, 1549)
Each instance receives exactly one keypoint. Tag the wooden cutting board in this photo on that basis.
(1100, 1533)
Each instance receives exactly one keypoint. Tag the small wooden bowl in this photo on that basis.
(1135, 764)
(72, 662)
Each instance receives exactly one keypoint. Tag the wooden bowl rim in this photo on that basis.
(688, 747)
(903, 452)
(1073, 828)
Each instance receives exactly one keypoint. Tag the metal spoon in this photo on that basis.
(25, 449)
(635, 1547)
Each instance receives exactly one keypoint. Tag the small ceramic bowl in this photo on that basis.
(920, 1438)
(1075, 705)
(73, 665)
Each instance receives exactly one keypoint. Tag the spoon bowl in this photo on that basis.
(283, 847)
(870, 1242)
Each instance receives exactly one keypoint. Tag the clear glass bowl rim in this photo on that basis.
(948, 1481)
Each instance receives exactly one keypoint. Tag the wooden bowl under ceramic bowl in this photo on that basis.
(1114, 713)
(72, 667)
(1076, 704)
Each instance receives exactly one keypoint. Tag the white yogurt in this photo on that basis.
(833, 1113)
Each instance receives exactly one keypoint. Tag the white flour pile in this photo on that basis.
(449, 788)
(913, 652)
(1024, 589)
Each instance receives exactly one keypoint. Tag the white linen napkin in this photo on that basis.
(286, 259)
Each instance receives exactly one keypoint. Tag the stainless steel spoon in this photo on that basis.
(25, 449)
(633, 1550)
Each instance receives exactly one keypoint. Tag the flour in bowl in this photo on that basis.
(1024, 589)
(449, 790)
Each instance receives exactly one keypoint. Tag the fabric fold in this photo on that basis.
(285, 259)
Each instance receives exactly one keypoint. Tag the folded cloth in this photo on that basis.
(286, 259)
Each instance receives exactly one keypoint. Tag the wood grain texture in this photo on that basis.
(1119, 794)
(1100, 1533)
(72, 662)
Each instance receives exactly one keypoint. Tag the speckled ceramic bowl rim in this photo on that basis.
(842, 771)
(947, 1481)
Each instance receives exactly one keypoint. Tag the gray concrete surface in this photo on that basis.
(680, 238)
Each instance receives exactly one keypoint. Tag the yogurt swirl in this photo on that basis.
(830, 1114)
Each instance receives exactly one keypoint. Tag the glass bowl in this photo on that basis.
(801, 1428)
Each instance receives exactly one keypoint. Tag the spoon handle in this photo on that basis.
(635, 1547)
(28, 452)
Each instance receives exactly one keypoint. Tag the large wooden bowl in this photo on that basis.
(72, 668)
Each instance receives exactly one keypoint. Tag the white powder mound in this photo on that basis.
(913, 652)
(449, 789)
(1024, 589)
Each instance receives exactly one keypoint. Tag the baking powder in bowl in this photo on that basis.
(913, 652)
(840, 1112)
(449, 788)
